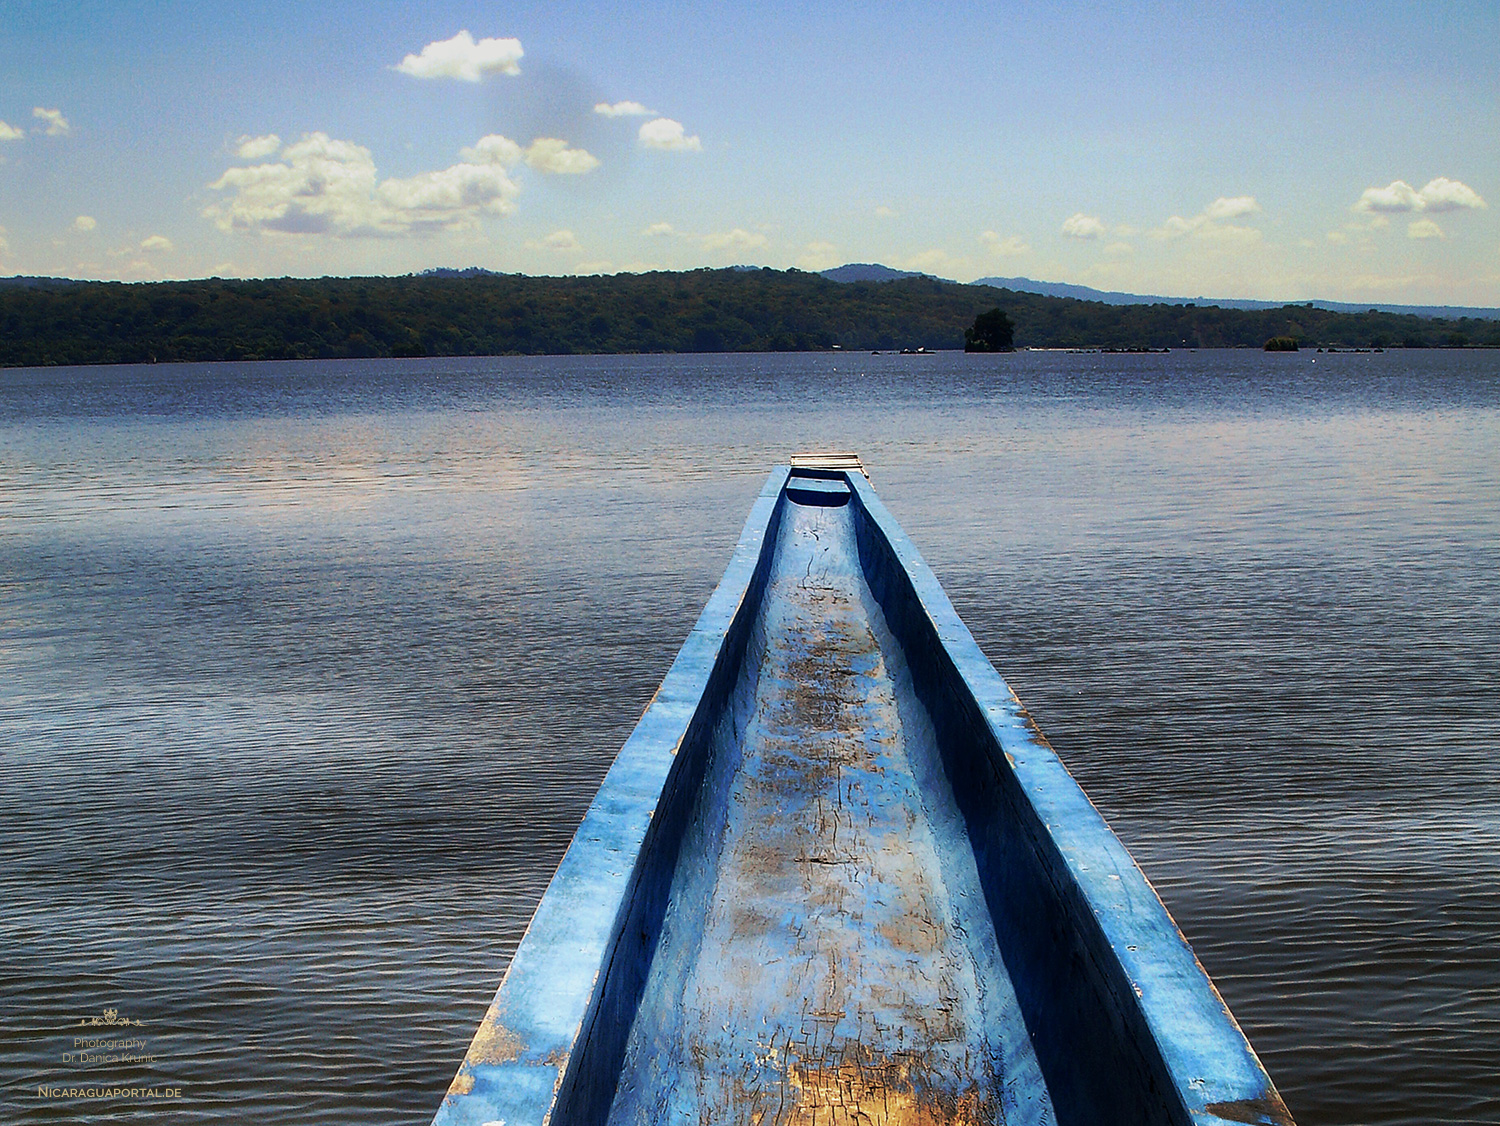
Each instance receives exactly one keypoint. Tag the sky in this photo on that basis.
(1346, 151)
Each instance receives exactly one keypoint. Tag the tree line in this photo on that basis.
(478, 313)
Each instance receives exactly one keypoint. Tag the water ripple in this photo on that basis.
(308, 671)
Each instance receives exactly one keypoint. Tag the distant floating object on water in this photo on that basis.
(1133, 350)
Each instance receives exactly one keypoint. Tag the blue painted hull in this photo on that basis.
(836, 875)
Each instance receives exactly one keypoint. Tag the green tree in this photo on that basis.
(992, 332)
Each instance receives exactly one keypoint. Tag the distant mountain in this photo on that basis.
(466, 272)
(867, 271)
(1112, 297)
(872, 271)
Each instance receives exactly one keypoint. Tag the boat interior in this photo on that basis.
(846, 911)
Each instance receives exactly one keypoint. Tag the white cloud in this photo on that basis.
(664, 133)
(933, 261)
(448, 197)
(4, 246)
(55, 124)
(818, 255)
(1439, 194)
(1177, 226)
(462, 58)
(598, 266)
(1230, 234)
(85, 223)
(884, 212)
(153, 243)
(1424, 228)
(737, 239)
(545, 154)
(659, 230)
(623, 109)
(326, 186)
(1005, 247)
(492, 148)
(548, 154)
(253, 148)
(1209, 224)
(1398, 196)
(1443, 194)
(10, 132)
(563, 241)
(1231, 207)
(1119, 249)
(1079, 225)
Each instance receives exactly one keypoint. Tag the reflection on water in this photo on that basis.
(308, 671)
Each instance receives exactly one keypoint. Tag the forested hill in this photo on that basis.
(477, 313)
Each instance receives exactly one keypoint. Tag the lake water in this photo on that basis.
(308, 672)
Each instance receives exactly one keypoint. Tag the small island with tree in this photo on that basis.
(992, 332)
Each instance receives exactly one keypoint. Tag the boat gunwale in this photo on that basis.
(543, 1011)
(1205, 1057)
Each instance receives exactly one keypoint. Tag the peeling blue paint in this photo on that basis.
(837, 872)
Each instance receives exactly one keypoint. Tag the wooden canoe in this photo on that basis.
(836, 877)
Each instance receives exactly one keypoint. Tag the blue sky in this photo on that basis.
(1344, 151)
